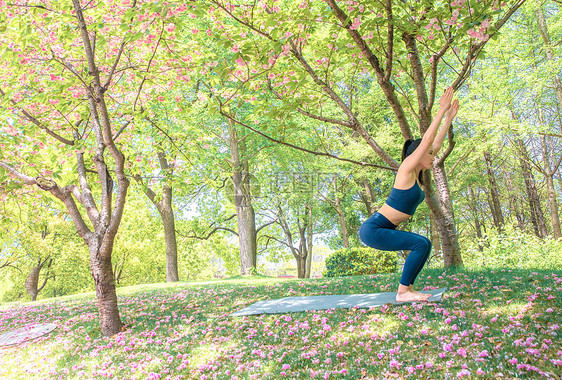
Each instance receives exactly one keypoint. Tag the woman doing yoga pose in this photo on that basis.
(379, 231)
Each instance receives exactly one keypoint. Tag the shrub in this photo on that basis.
(513, 249)
(358, 261)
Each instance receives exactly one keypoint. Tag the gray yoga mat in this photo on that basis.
(296, 304)
(25, 334)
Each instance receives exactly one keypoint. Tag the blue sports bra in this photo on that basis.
(406, 200)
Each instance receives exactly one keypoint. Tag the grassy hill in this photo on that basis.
(490, 323)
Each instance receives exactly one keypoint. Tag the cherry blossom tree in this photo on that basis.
(322, 59)
(73, 81)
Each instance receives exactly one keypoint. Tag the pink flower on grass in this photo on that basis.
(484, 354)
(461, 352)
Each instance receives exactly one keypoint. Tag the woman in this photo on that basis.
(379, 231)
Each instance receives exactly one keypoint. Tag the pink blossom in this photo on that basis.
(356, 23)
(461, 352)
(484, 354)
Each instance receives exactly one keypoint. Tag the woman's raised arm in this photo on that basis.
(429, 136)
(449, 116)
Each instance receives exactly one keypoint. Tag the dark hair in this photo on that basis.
(409, 148)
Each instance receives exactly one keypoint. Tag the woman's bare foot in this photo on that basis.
(408, 296)
(411, 289)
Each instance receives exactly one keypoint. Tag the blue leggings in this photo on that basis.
(378, 232)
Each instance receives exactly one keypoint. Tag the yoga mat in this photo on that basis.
(25, 334)
(296, 304)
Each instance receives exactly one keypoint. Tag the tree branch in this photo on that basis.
(419, 80)
(209, 234)
(279, 241)
(304, 149)
(121, 130)
(265, 225)
(452, 143)
(476, 49)
(85, 196)
(386, 85)
(436, 58)
(390, 41)
(64, 194)
(460, 160)
(309, 114)
(33, 120)
(108, 81)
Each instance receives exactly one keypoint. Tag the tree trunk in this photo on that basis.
(304, 250)
(301, 266)
(552, 199)
(474, 208)
(435, 240)
(246, 219)
(309, 236)
(537, 216)
(343, 224)
(441, 207)
(341, 215)
(367, 195)
(303, 254)
(104, 215)
(495, 204)
(550, 56)
(32, 282)
(247, 236)
(514, 202)
(168, 220)
(100, 248)
(166, 211)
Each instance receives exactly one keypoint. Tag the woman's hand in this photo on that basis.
(452, 111)
(445, 101)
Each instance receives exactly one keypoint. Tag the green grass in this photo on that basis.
(490, 323)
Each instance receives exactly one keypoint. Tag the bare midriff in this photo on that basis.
(394, 216)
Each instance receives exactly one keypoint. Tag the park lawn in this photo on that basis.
(491, 323)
